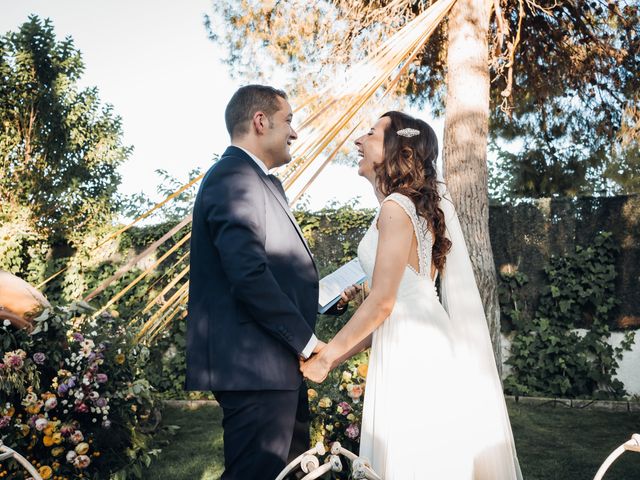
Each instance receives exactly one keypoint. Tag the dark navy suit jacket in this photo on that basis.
(253, 292)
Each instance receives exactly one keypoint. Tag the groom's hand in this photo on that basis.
(319, 346)
(316, 368)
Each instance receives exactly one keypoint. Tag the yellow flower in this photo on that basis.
(55, 465)
(120, 358)
(45, 472)
(35, 408)
(47, 440)
(82, 448)
(57, 438)
(346, 376)
(312, 393)
(363, 369)
(49, 430)
(324, 402)
(57, 451)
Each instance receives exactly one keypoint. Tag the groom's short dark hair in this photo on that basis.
(247, 101)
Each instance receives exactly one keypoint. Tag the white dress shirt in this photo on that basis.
(313, 341)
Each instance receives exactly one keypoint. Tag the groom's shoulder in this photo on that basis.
(232, 161)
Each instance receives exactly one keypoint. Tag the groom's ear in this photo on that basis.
(259, 122)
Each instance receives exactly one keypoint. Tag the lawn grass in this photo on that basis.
(554, 443)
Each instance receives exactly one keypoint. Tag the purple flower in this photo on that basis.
(91, 357)
(4, 421)
(39, 358)
(71, 382)
(344, 408)
(352, 431)
(101, 402)
(63, 388)
(102, 378)
(78, 337)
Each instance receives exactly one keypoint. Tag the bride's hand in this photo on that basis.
(316, 368)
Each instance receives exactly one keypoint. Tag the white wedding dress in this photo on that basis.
(433, 406)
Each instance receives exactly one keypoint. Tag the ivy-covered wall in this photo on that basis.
(525, 236)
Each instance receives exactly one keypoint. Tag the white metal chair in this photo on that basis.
(309, 463)
(632, 445)
(7, 453)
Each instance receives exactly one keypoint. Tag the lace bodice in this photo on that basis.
(368, 246)
(424, 236)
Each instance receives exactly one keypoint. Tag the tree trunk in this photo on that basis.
(465, 145)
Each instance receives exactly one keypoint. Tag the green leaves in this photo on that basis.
(548, 356)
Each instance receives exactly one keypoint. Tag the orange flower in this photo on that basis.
(312, 393)
(355, 392)
(47, 440)
(45, 472)
(120, 358)
(363, 369)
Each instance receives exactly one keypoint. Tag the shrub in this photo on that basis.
(71, 397)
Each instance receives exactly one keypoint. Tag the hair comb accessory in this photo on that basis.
(408, 132)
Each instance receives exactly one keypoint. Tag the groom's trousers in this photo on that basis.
(263, 431)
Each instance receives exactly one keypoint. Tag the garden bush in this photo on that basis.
(72, 398)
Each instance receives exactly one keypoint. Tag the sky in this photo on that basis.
(152, 60)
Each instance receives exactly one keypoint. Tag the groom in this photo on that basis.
(253, 292)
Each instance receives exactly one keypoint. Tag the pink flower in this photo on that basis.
(344, 408)
(4, 421)
(81, 461)
(102, 378)
(50, 403)
(76, 437)
(352, 431)
(41, 424)
(15, 361)
(81, 408)
(67, 429)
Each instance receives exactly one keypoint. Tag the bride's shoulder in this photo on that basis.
(405, 202)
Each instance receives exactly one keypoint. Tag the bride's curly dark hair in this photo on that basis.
(409, 168)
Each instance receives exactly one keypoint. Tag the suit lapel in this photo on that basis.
(276, 193)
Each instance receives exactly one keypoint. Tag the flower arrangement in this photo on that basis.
(71, 397)
(336, 405)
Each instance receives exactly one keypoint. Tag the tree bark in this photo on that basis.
(465, 145)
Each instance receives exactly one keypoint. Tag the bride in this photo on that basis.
(433, 407)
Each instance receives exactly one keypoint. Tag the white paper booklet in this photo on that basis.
(334, 284)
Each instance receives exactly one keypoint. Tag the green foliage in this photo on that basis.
(73, 399)
(59, 147)
(548, 357)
